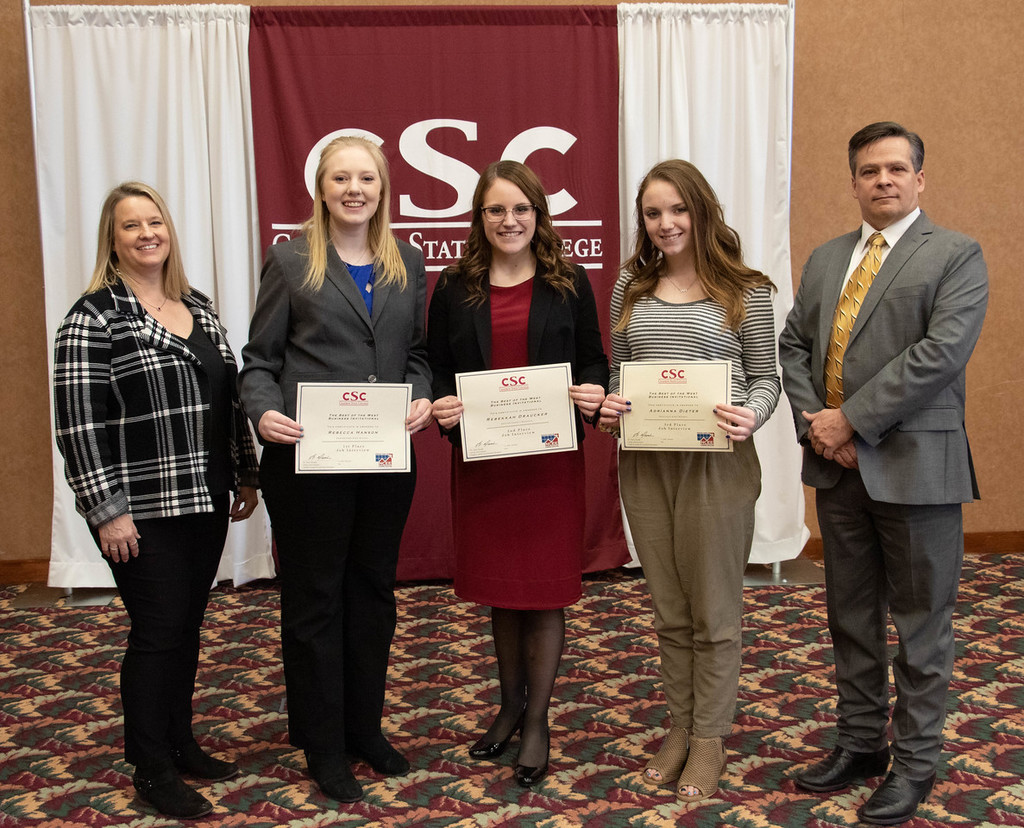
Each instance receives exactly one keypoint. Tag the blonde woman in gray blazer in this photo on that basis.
(342, 303)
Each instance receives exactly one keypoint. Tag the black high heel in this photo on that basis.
(528, 775)
(483, 749)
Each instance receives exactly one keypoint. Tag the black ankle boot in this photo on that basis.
(376, 750)
(193, 760)
(166, 792)
(332, 774)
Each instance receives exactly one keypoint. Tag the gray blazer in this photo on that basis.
(299, 336)
(904, 366)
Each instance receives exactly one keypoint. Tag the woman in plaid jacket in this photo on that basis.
(154, 440)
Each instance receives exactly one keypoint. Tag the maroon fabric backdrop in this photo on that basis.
(447, 90)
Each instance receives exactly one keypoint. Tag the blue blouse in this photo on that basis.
(362, 275)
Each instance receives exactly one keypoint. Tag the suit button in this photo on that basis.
(371, 378)
(369, 343)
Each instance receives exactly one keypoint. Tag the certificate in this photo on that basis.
(516, 411)
(672, 405)
(352, 427)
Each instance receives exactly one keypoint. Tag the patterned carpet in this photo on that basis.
(60, 733)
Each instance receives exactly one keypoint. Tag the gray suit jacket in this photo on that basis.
(904, 366)
(299, 336)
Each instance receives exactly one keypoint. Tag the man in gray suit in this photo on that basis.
(873, 358)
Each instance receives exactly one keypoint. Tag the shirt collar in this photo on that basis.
(893, 233)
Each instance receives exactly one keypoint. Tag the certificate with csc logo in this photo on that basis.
(673, 405)
(352, 427)
(516, 411)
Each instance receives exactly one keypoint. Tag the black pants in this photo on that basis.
(165, 591)
(337, 544)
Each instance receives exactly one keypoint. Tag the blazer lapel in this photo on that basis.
(201, 309)
(835, 280)
(338, 275)
(481, 314)
(540, 305)
(146, 327)
(381, 294)
(916, 235)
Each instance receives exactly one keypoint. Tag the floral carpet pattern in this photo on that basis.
(60, 729)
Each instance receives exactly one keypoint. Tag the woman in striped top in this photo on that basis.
(685, 294)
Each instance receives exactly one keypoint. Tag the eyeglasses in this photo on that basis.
(494, 213)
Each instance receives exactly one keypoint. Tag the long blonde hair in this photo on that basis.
(317, 228)
(717, 253)
(105, 273)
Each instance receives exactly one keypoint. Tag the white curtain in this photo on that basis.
(710, 84)
(158, 94)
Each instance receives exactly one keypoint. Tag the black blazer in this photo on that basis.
(558, 330)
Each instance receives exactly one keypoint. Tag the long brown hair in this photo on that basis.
(717, 252)
(105, 273)
(472, 268)
(317, 228)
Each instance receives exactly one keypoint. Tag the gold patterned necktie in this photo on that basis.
(846, 314)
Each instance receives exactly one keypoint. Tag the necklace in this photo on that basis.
(684, 290)
(157, 308)
(138, 295)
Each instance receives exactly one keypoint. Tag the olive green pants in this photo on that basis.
(691, 515)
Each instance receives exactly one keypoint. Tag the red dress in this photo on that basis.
(518, 521)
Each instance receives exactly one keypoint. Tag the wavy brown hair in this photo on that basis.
(317, 228)
(717, 252)
(472, 268)
(105, 273)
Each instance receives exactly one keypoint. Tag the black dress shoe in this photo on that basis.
(528, 776)
(193, 760)
(895, 800)
(483, 749)
(333, 776)
(841, 768)
(376, 750)
(170, 796)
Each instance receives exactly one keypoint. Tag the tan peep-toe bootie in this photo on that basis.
(666, 765)
(704, 767)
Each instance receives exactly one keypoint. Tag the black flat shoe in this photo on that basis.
(895, 800)
(378, 752)
(840, 768)
(527, 776)
(193, 760)
(483, 749)
(170, 796)
(333, 776)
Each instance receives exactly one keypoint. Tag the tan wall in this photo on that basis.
(949, 69)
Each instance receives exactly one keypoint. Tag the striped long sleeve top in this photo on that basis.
(659, 330)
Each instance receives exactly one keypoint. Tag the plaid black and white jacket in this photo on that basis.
(130, 405)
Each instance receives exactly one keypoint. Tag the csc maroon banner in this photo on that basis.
(446, 91)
